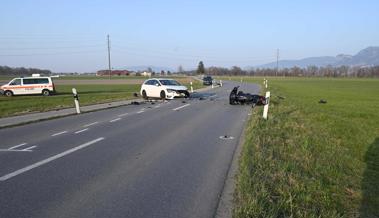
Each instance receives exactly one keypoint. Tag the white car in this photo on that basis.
(163, 88)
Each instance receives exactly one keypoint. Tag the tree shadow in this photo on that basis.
(370, 183)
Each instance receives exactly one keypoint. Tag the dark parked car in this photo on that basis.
(207, 80)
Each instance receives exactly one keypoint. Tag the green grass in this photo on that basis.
(88, 94)
(311, 159)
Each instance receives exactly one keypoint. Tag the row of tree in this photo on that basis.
(21, 71)
(311, 71)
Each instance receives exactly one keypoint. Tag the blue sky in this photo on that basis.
(70, 36)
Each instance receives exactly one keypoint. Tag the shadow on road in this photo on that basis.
(370, 184)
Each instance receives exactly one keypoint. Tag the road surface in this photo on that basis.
(167, 159)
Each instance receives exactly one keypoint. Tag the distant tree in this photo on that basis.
(149, 69)
(169, 72)
(162, 72)
(236, 70)
(200, 68)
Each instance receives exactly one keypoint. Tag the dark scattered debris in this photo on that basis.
(322, 101)
(135, 94)
(184, 102)
(135, 103)
(201, 98)
(280, 97)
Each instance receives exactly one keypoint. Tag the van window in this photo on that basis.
(36, 81)
(15, 82)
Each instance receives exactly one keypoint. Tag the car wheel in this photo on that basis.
(144, 95)
(186, 94)
(163, 95)
(45, 92)
(8, 93)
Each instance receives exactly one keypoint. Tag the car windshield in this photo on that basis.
(169, 82)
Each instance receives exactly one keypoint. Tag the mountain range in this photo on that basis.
(364, 58)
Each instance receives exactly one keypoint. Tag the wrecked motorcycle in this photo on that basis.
(239, 97)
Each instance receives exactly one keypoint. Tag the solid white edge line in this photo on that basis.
(45, 161)
(16, 146)
(59, 133)
(140, 112)
(29, 149)
(117, 119)
(83, 130)
(90, 124)
(186, 105)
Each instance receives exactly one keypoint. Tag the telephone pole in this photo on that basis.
(109, 57)
(277, 62)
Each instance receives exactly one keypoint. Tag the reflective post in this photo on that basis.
(76, 100)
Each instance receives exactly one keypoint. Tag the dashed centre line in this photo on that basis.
(117, 119)
(186, 105)
(59, 133)
(83, 130)
(121, 115)
(90, 124)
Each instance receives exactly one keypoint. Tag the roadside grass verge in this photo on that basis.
(311, 159)
(88, 94)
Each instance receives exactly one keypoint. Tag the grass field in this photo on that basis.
(311, 159)
(88, 94)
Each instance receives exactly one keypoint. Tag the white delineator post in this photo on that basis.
(266, 83)
(220, 82)
(212, 85)
(76, 100)
(265, 109)
(191, 87)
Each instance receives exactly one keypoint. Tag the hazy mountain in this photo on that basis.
(156, 69)
(366, 57)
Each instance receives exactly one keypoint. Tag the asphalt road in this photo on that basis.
(167, 159)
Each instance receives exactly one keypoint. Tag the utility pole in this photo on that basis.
(109, 57)
(277, 62)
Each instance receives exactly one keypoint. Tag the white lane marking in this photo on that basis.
(59, 133)
(15, 150)
(83, 130)
(42, 162)
(157, 106)
(90, 124)
(117, 119)
(16, 146)
(29, 149)
(121, 115)
(186, 105)
(140, 112)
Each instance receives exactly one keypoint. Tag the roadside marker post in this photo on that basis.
(220, 83)
(266, 83)
(212, 85)
(76, 100)
(265, 109)
(191, 87)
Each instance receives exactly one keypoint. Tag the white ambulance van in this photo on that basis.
(29, 86)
